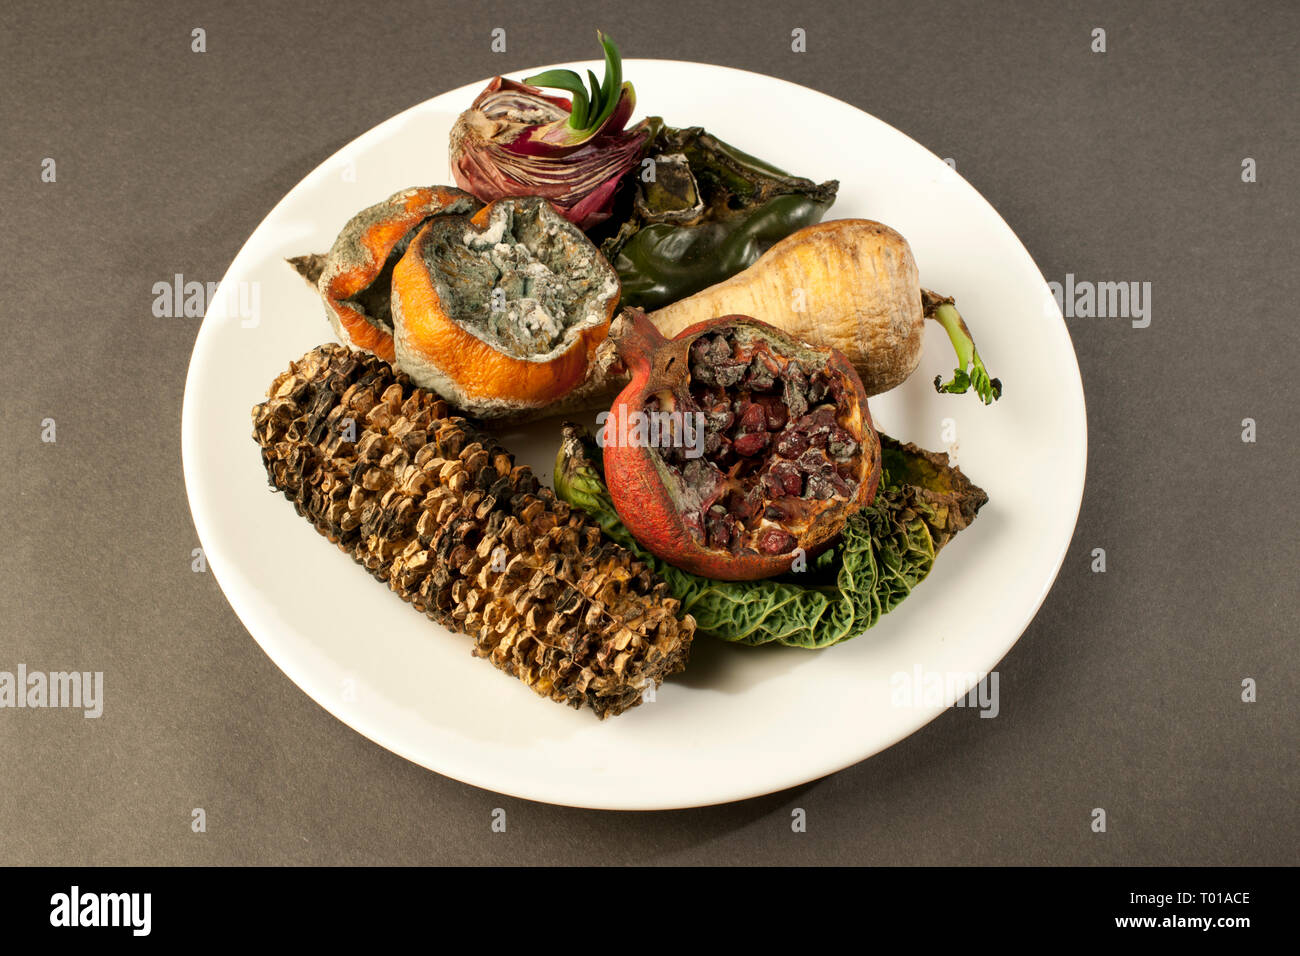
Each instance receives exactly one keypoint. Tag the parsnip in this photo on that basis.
(848, 284)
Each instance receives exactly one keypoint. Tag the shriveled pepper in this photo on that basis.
(700, 213)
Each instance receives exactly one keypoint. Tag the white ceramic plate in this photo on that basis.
(740, 721)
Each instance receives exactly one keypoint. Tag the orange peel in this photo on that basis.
(354, 283)
(502, 311)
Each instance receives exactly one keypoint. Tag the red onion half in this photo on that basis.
(515, 140)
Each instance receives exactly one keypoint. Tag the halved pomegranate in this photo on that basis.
(736, 449)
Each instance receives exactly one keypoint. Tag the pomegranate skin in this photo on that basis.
(639, 481)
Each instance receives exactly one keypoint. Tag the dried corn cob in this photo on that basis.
(439, 511)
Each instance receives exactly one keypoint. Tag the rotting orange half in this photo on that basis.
(501, 311)
(356, 279)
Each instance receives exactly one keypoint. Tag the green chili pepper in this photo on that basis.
(663, 263)
(701, 212)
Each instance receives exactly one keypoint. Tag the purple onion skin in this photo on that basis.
(514, 140)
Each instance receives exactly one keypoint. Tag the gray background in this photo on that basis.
(1124, 693)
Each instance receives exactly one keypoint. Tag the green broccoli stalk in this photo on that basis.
(970, 371)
